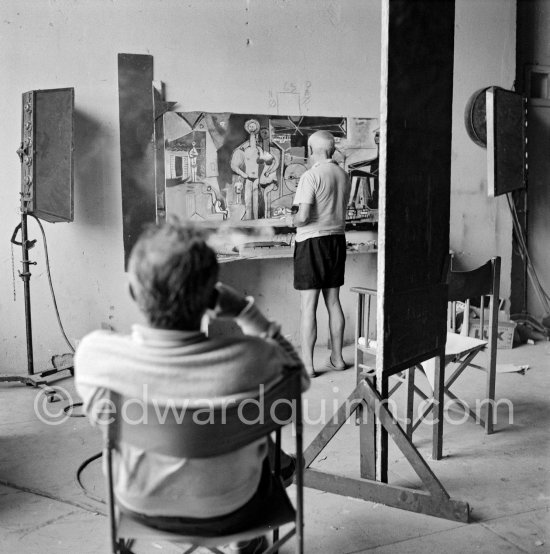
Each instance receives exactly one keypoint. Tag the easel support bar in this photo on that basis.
(435, 501)
(389, 495)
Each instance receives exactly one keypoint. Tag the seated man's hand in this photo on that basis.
(230, 302)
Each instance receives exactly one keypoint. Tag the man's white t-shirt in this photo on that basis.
(326, 187)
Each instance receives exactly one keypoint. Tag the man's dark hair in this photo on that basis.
(172, 274)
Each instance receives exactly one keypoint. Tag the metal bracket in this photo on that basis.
(23, 151)
(29, 243)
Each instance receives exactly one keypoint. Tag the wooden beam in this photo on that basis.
(389, 495)
(137, 158)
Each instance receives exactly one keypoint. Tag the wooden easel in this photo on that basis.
(434, 501)
(415, 166)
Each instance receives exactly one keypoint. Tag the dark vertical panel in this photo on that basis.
(159, 108)
(506, 155)
(415, 178)
(533, 23)
(538, 201)
(135, 77)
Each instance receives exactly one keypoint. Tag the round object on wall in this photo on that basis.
(475, 118)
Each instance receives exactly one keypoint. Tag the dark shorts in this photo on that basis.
(320, 262)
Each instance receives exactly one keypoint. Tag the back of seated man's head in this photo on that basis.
(172, 273)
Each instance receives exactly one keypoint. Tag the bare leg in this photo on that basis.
(308, 327)
(336, 324)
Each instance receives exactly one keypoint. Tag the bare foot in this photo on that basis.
(338, 365)
(311, 372)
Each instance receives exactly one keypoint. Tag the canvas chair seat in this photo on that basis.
(276, 511)
(459, 345)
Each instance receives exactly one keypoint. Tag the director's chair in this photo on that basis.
(232, 424)
(470, 290)
(467, 295)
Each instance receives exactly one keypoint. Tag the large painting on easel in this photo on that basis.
(244, 168)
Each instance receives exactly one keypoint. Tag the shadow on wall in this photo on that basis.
(91, 165)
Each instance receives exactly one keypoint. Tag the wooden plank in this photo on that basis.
(389, 495)
(401, 440)
(437, 406)
(410, 401)
(491, 370)
(364, 418)
(159, 108)
(367, 443)
(415, 165)
(475, 417)
(434, 502)
(415, 325)
(137, 158)
(379, 386)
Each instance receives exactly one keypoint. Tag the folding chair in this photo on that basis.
(461, 349)
(232, 424)
(365, 337)
(464, 287)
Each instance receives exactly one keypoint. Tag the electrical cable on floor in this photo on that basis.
(70, 409)
(45, 494)
(79, 471)
(50, 283)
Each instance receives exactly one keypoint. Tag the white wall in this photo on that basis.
(485, 47)
(224, 55)
(217, 55)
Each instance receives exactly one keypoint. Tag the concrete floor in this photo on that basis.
(504, 477)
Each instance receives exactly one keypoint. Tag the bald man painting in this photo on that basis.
(320, 255)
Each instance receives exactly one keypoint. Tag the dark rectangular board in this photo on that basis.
(506, 146)
(137, 156)
(415, 162)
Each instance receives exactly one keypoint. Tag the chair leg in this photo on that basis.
(125, 547)
(490, 397)
(439, 397)
(367, 442)
(410, 402)
(277, 471)
(382, 435)
(299, 523)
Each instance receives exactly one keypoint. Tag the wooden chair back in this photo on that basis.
(207, 428)
(465, 286)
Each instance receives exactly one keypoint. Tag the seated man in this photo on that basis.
(173, 276)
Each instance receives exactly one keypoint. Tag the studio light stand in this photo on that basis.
(25, 275)
(32, 379)
(46, 156)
